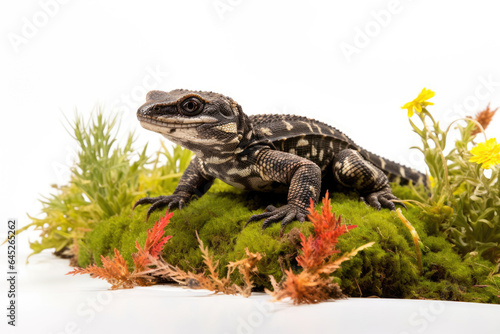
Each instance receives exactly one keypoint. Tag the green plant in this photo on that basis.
(103, 183)
(476, 225)
(64, 224)
(106, 173)
(462, 192)
(158, 179)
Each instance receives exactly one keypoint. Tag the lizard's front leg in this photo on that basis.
(302, 176)
(351, 170)
(192, 182)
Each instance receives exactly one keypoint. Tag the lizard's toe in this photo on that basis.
(291, 216)
(386, 203)
(258, 217)
(176, 203)
(382, 199)
(147, 200)
(173, 201)
(372, 201)
(270, 208)
(160, 203)
(286, 214)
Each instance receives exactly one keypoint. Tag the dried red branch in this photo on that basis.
(211, 280)
(316, 249)
(314, 284)
(484, 118)
(247, 267)
(155, 239)
(153, 246)
(115, 270)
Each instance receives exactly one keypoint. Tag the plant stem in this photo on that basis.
(438, 146)
(416, 239)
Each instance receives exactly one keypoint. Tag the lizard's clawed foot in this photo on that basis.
(382, 199)
(173, 201)
(286, 213)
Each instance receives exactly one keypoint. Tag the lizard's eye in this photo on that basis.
(191, 107)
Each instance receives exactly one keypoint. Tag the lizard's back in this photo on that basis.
(320, 142)
(303, 136)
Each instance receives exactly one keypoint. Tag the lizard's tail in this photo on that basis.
(396, 172)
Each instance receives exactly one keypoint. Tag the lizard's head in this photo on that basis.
(198, 121)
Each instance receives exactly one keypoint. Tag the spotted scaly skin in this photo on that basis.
(264, 153)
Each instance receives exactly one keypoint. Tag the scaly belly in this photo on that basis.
(256, 183)
(246, 179)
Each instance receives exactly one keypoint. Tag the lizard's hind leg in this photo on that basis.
(352, 171)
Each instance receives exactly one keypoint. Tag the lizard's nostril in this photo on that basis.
(149, 110)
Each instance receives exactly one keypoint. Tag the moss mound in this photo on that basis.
(388, 269)
(219, 218)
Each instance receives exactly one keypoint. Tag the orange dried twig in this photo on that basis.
(213, 282)
(247, 267)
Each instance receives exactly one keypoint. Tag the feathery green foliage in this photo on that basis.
(103, 183)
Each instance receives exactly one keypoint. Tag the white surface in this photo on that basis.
(279, 56)
(54, 303)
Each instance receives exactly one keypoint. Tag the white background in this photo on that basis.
(270, 56)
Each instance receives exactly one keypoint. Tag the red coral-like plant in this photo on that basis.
(115, 270)
(314, 284)
(153, 246)
(316, 249)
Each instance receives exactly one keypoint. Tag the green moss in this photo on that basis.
(387, 269)
(118, 232)
(218, 217)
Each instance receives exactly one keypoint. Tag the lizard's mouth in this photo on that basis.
(156, 123)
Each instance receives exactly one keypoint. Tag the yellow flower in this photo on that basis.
(432, 181)
(419, 102)
(487, 153)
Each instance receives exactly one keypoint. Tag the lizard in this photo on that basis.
(265, 152)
